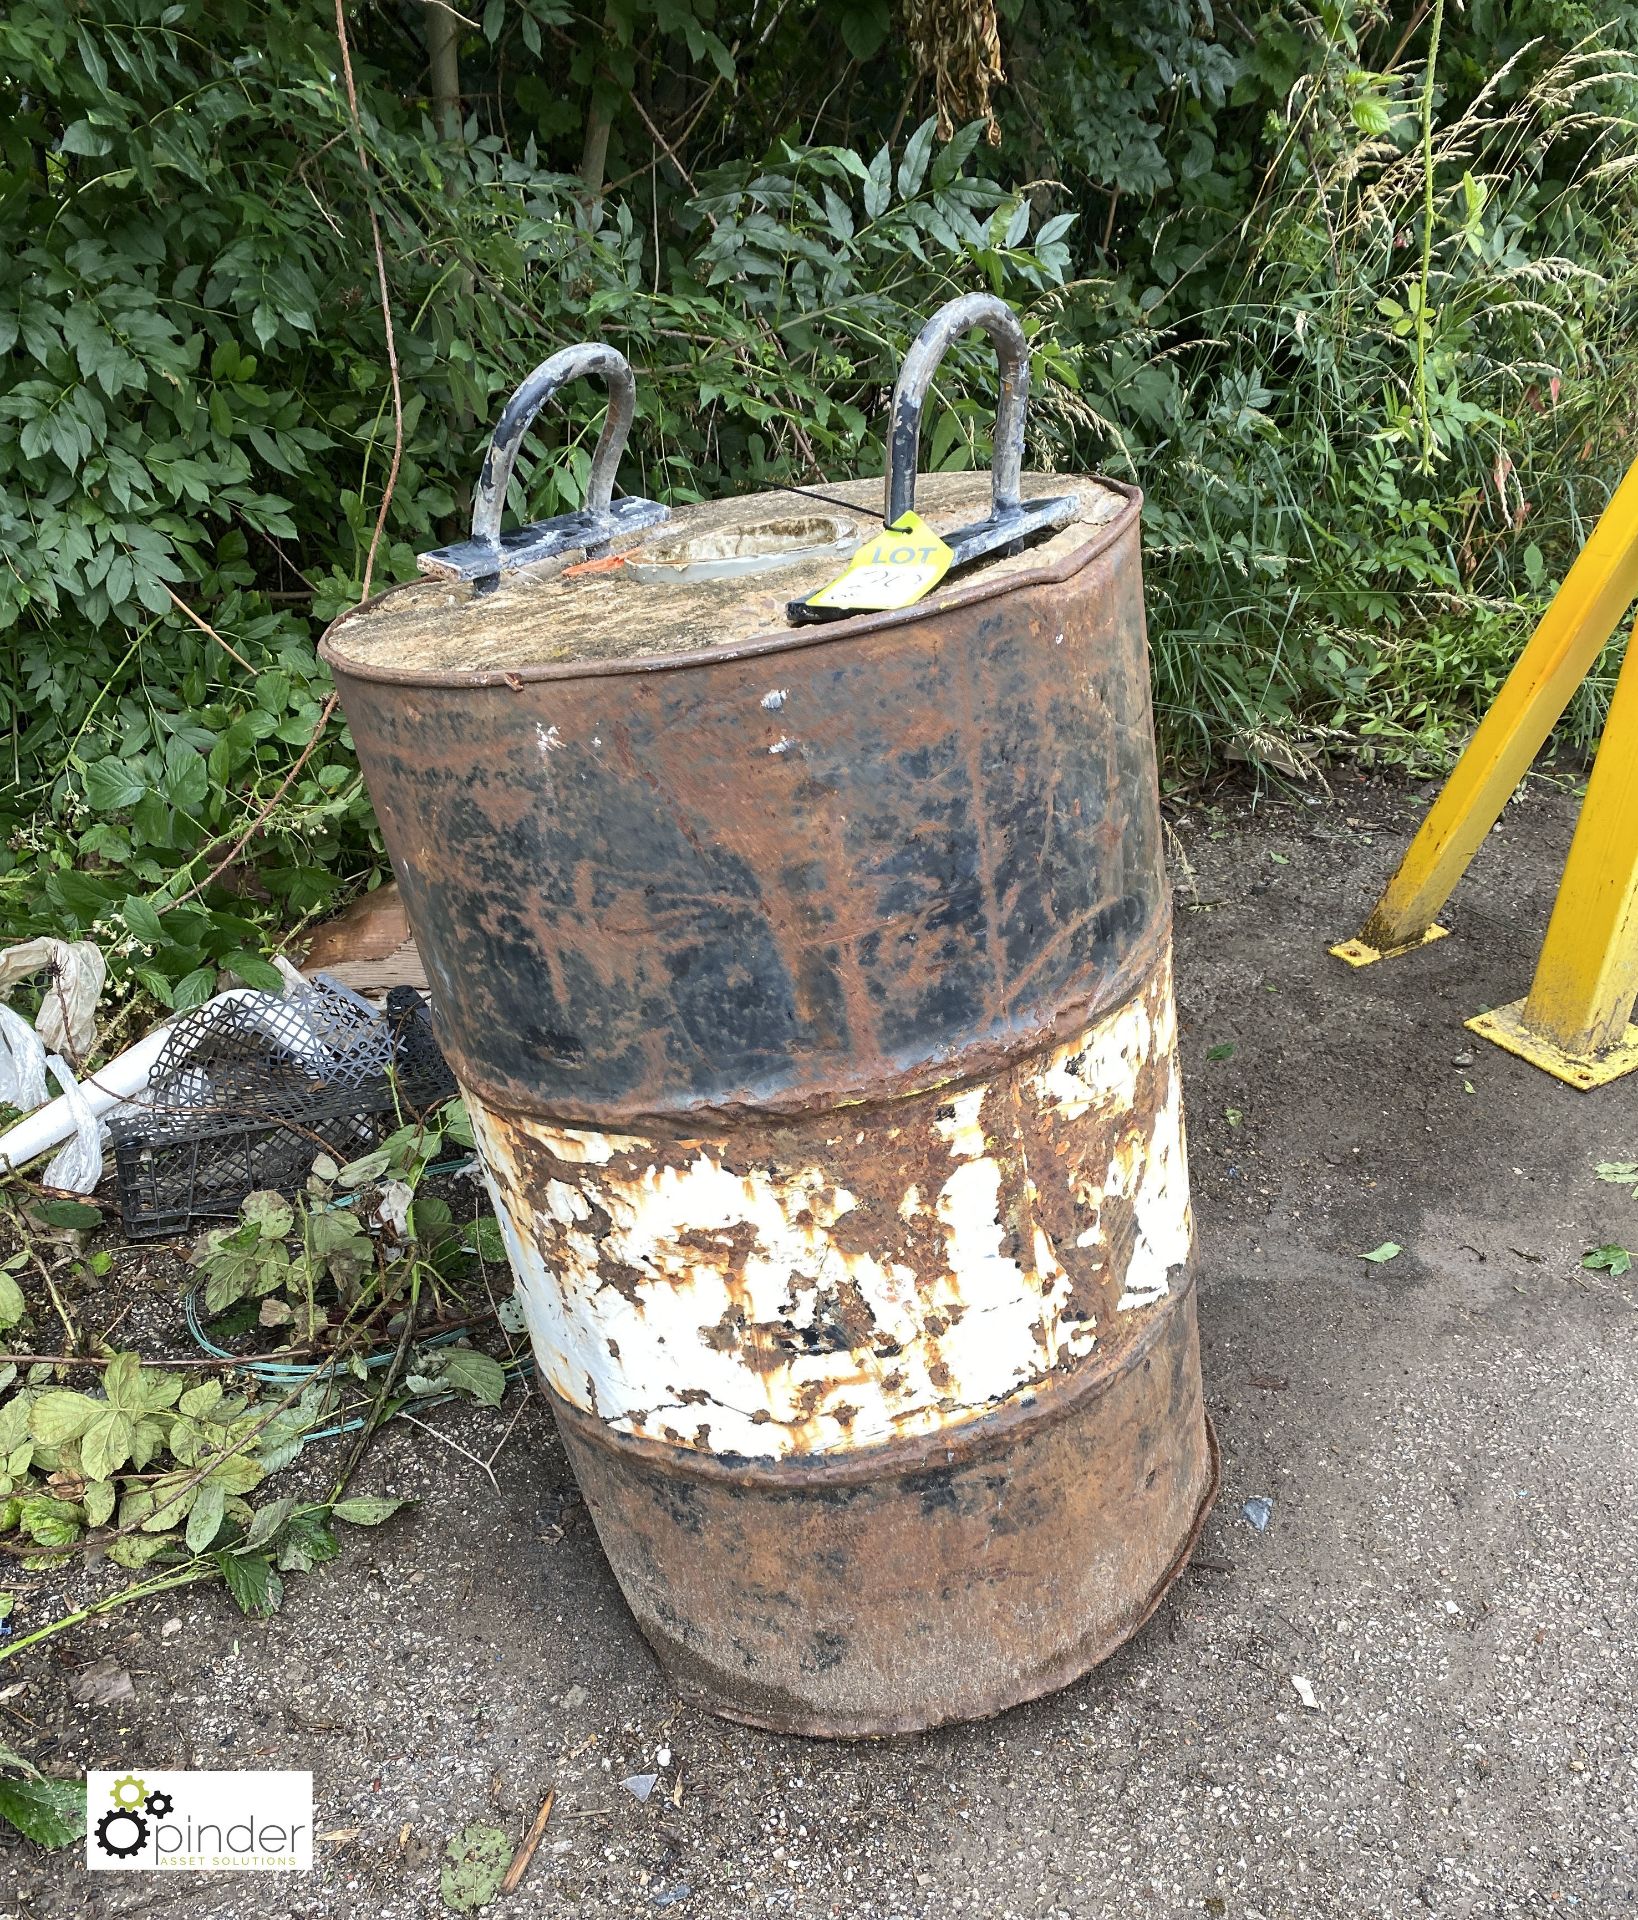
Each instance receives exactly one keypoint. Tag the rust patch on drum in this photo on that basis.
(902, 1586)
(832, 1282)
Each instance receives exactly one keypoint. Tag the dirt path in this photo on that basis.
(1447, 1438)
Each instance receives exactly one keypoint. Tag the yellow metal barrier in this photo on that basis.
(1574, 1020)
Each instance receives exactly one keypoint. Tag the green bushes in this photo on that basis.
(1361, 476)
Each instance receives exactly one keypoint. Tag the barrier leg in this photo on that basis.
(1574, 1021)
(1597, 590)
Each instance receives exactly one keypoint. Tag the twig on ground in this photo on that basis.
(531, 1840)
(1180, 854)
(523, 1402)
(123, 1314)
(56, 1299)
(395, 1373)
(21, 1223)
(95, 1360)
(196, 1570)
(481, 1465)
(229, 1365)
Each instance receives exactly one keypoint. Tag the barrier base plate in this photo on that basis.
(1505, 1026)
(1358, 954)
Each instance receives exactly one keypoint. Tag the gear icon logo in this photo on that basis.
(123, 1830)
(122, 1844)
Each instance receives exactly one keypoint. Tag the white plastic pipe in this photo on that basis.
(124, 1079)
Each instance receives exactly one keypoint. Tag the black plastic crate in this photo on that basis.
(249, 1092)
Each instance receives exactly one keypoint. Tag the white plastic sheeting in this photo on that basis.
(67, 1020)
(77, 1166)
(22, 1063)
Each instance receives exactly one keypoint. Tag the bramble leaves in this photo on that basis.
(205, 1516)
(252, 1581)
(474, 1373)
(247, 1260)
(62, 1416)
(366, 1511)
(106, 1445)
(50, 1812)
(305, 1542)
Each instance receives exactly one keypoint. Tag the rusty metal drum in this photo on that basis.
(810, 989)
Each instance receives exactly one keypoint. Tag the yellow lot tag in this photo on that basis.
(893, 570)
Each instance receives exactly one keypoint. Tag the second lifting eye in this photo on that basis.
(490, 552)
(1013, 523)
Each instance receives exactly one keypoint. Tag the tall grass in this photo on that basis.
(1366, 472)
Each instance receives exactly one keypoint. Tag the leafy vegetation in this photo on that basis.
(474, 1863)
(51, 1812)
(160, 1469)
(153, 1470)
(369, 1247)
(1355, 311)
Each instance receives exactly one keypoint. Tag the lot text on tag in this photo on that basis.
(895, 569)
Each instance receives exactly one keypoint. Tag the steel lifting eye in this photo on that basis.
(1013, 522)
(1011, 518)
(490, 552)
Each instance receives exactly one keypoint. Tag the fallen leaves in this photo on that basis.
(103, 1684)
(475, 1862)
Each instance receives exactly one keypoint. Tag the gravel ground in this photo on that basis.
(1447, 1440)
